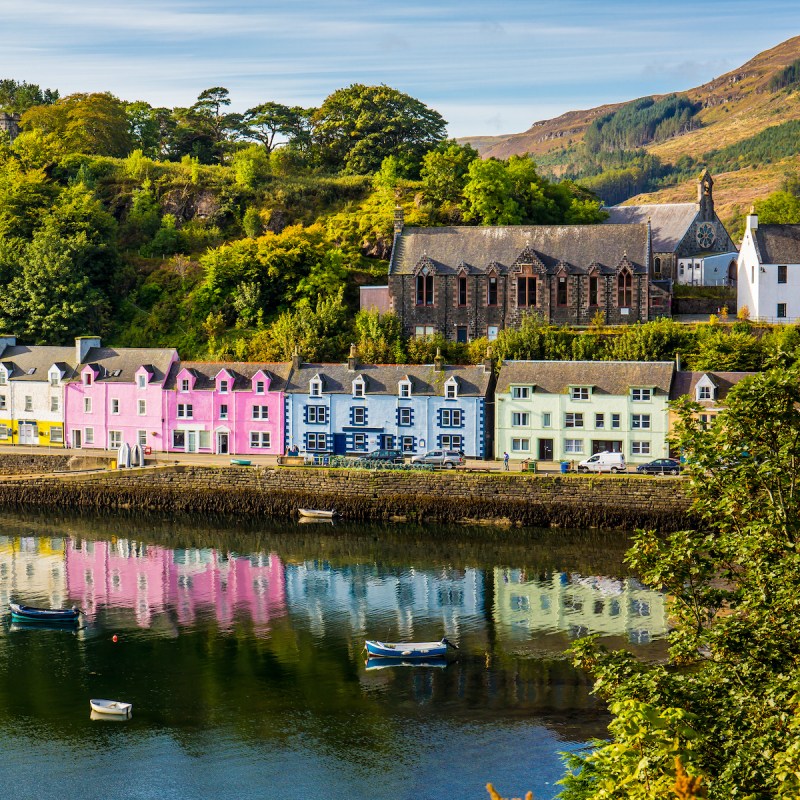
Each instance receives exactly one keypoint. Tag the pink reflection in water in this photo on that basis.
(149, 580)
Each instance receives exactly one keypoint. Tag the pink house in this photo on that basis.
(117, 396)
(227, 408)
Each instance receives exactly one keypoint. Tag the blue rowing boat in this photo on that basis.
(62, 616)
(408, 650)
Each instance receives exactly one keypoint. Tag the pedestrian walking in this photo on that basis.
(505, 461)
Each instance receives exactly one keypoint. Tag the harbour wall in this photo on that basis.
(26, 464)
(571, 501)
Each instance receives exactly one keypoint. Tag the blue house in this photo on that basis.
(354, 408)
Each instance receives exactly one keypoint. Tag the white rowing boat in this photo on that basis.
(312, 513)
(111, 708)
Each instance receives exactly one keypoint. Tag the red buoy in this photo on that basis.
(114, 638)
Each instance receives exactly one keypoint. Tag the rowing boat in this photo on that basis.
(111, 708)
(64, 616)
(407, 650)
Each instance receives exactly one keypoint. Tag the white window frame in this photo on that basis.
(408, 444)
(260, 439)
(520, 392)
(261, 387)
(55, 404)
(223, 386)
(451, 389)
(185, 411)
(317, 412)
(260, 412)
(114, 406)
(87, 405)
(640, 448)
(141, 408)
(186, 385)
(404, 389)
(315, 387)
(3, 405)
(114, 440)
(452, 441)
(547, 419)
(141, 381)
(359, 411)
(88, 435)
(640, 422)
(576, 420)
(223, 411)
(141, 438)
(318, 441)
(520, 445)
(641, 395)
(573, 447)
(405, 417)
(360, 441)
(616, 422)
(599, 421)
(580, 394)
(704, 393)
(359, 387)
(28, 402)
(56, 434)
(520, 419)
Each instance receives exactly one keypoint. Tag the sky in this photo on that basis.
(488, 66)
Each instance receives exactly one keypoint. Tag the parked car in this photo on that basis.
(661, 466)
(387, 456)
(447, 459)
(604, 462)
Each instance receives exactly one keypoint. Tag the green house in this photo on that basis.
(569, 410)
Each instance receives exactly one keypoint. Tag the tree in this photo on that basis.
(267, 121)
(727, 703)
(19, 96)
(488, 194)
(357, 127)
(220, 127)
(444, 172)
(780, 208)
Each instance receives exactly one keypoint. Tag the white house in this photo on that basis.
(769, 271)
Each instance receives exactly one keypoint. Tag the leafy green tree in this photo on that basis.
(719, 349)
(268, 121)
(780, 208)
(728, 701)
(488, 194)
(444, 172)
(208, 114)
(252, 223)
(150, 129)
(357, 127)
(658, 340)
(251, 167)
(379, 337)
(19, 96)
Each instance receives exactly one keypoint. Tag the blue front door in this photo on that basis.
(339, 444)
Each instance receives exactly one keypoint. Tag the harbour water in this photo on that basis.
(241, 649)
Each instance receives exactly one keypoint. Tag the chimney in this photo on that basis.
(438, 362)
(752, 219)
(296, 359)
(398, 219)
(83, 344)
(352, 361)
(6, 340)
(488, 363)
(677, 362)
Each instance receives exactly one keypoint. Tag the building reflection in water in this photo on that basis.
(32, 567)
(578, 605)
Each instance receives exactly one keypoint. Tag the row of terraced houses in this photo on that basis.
(94, 397)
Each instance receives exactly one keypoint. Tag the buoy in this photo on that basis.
(114, 638)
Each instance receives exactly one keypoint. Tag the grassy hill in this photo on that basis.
(726, 132)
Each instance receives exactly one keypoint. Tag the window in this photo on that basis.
(114, 439)
(2, 377)
(88, 435)
(185, 384)
(55, 404)
(57, 435)
(3, 431)
(704, 393)
(421, 331)
(561, 291)
(573, 420)
(317, 441)
(462, 290)
(114, 405)
(462, 334)
(142, 407)
(87, 378)
(520, 445)
(450, 390)
(491, 291)
(492, 331)
(520, 419)
(599, 420)
(640, 421)
(315, 388)
(752, 273)
(573, 446)
(404, 389)
(358, 388)
(452, 442)
(87, 405)
(404, 418)
(521, 392)
(54, 379)
(223, 387)
(452, 417)
(204, 440)
(28, 402)
(593, 293)
(260, 386)
(259, 439)
(782, 273)
(641, 395)
(624, 289)
(579, 392)
(640, 448)
(359, 415)
(526, 292)
(141, 438)
(781, 311)
(185, 410)
(317, 415)
(142, 381)
(179, 439)
(260, 412)
(3, 405)
(657, 266)
(546, 419)
(223, 411)
(424, 290)
(615, 420)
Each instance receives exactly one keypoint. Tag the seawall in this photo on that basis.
(518, 498)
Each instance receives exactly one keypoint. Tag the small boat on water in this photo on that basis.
(312, 513)
(388, 663)
(111, 708)
(408, 650)
(241, 462)
(62, 616)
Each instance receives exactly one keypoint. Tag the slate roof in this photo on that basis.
(685, 382)
(778, 244)
(127, 361)
(243, 373)
(476, 249)
(669, 221)
(20, 359)
(607, 377)
(473, 381)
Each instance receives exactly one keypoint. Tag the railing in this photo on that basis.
(355, 462)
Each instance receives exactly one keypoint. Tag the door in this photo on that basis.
(222, 443)
(76, 439)
(461, 334)
(28, 433)
(545, 449)
(191, 441)
(339, 444)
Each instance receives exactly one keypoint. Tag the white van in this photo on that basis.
(604, 462)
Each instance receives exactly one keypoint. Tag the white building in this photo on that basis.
(769, 272)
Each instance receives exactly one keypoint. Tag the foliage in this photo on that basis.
(771, 144)
(780, 208)
(727, 702)
(19, 96)
(444, 172)
(788, 76)
(378, 338)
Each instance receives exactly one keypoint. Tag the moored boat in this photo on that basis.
(241, 462)
(313, 513)
(111, 708)
(62, 616)
(408, 650)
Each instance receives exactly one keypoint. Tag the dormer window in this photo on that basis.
(451, 389)
(579, 392)
(87, 378)
(260, 386)
(141, 381)
(404, 389)
(54, 378)
(223, 387)
(641, 395)
(359, 388)
(3, 377)
(185, 384)
(315, 387)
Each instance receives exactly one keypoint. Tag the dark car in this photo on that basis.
(661, 466)
(386, 456)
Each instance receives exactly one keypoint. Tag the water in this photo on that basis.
(241, 650)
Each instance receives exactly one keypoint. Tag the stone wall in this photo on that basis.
(23, 464)
(563, 501)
